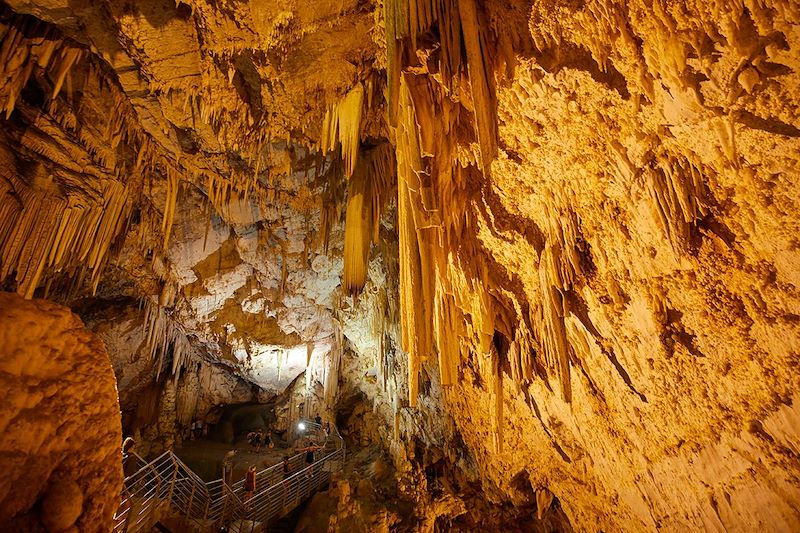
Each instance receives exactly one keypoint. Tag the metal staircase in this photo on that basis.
(167, 485)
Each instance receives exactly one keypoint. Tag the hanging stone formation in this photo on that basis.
(535, 263)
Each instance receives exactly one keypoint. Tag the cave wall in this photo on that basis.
(624, 267)
(60, 431)
(565, 231)
(630, 333)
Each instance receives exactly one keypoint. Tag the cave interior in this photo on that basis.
(460, 265)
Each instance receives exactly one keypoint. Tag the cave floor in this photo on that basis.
(205, 456)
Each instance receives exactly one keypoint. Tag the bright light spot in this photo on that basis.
(301, 426)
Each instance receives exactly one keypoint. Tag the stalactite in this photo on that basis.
(405, 21)
(434, 199)
(21, 54)
(368, 194)
(357, 235)
(394, 14)
(41, 235)
(448, 329)
(280, 359)
(173, 186)
(416, 316)
(218, 191)
(333, 361)
(520, 353)
(551, 321)
(334, 193)
(284, 271)
(162, 336)
(75, 234)
(456, 22)
(495, 379)
(342, 125)
(676, 190)
(438, 204)
(68, 58)
(309, 352)
(481, 78)
(378, 329)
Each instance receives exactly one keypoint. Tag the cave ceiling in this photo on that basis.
(197, 124)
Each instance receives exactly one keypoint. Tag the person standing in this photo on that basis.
(287, 468)
(309, 451)
(287, 473)
(227, 467)
(255, 440)
(129, 465)
(249, 486)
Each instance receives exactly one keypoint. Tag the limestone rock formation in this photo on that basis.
(547, 247)
(59, 428)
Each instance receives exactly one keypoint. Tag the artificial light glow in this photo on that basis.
(301, 426)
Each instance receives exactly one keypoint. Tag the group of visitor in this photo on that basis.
(326, 428)
(196, 430)
(259, 438)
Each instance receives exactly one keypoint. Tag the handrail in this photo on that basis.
(167, 481)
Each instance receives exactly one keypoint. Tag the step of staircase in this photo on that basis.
(166, 495)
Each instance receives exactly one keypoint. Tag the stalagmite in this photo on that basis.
(187, 399)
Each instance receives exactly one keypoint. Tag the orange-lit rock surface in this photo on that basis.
(549, 248)
(59, 422)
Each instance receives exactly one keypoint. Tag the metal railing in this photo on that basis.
(166, 482)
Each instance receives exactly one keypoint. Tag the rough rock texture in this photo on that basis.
(59, 424)
(436, 482)
(157, 408)
(629, 336)
(206, 129)
(633, 140)
(569, 259)
(339, 509)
